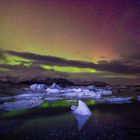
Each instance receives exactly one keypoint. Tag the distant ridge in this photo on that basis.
(49, 81)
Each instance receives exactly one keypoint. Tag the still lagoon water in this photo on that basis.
(53, 120)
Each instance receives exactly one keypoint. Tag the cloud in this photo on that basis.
(122, 66)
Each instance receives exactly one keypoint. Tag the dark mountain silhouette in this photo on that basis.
(49, 81)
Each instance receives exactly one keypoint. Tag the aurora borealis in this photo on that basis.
(75, 39)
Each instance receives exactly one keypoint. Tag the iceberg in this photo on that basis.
(103, 92)
(20, 104)
(138, 98)
(118, 100)
(6, 98)
(81, 109)
(37, 87)
(29, 96)
(92, 88)
(83, 93)
(53, 89)
(55, 86)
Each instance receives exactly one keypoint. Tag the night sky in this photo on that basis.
(75, 39)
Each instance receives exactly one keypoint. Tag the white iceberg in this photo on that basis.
(53, 89)
(55, 86)
(82, 94)
(75, 90)
(92, 88)
(103, 92)
(138, 98)
(29, 96)
(118, 99)
(20, 104)
(6, 98)
(81, 109)
(37, 87)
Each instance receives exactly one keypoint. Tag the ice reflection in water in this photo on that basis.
(81, 119)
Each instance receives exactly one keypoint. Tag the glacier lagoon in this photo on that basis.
(39, 114)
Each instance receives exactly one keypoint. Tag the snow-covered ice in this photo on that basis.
(20, 104)
(103, 92)
(81, 109)
(138, 98)
(38, 87)
(118, 99)
(28, 96)
(38, 93)
(54, 88)
(6, 98)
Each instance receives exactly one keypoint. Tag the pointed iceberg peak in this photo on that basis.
(81, 109)
(55, 86)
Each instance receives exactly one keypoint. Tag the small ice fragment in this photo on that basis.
(138, 98)
(37, 87)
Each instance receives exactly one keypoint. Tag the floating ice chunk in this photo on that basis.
(55, 86)
(29, 96)
(76, 90)
(52, 90)
(20, 104)
(138, 98)
(104, 92)
(118, 99)
(89, 93)
(81, 109)
(92, 87)
(97, 96)
(6, 98)
(80, 94)
(81, 119)
(37, 87)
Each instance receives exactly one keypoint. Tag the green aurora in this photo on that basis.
(16, 60)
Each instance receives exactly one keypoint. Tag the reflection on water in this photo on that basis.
(53, 119)
(81, 119)
(106, 122)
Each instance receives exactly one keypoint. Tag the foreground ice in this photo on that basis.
(20, 104)
(81, 109)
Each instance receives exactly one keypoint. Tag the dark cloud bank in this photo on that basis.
(125, 66)
(118, 66)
